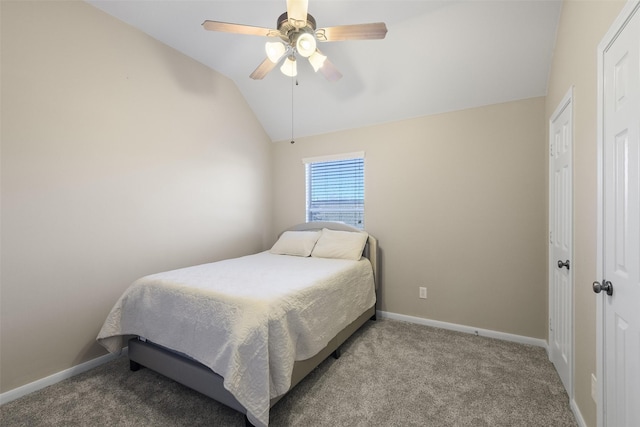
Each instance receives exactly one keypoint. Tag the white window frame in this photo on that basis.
(358, 210)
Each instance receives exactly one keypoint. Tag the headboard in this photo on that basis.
(370, 249)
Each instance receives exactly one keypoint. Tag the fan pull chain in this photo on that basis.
(292, 80)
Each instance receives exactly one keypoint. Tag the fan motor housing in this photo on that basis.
(287, 30)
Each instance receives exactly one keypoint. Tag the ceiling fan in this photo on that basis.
(298, 36)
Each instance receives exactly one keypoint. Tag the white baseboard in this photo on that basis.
(16, 393)
(467, 329)
(577, 413)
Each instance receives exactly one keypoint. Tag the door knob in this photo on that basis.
(607, 287)
(563, 264)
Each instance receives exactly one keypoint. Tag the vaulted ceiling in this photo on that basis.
(438, 56)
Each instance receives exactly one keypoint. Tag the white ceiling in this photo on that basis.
(438, 56)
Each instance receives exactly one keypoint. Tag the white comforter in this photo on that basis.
(247, 318)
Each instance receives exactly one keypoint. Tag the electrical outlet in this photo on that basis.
(594, 388)
(423, 292)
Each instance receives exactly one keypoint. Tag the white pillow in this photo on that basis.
(340, 244)
(298, 243)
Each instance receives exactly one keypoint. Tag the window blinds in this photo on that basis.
(335, 190)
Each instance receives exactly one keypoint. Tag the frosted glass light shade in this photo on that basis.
(289, 67)
(274, 50)
(317, 60)
(306, 44)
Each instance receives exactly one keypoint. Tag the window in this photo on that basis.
(335, 188)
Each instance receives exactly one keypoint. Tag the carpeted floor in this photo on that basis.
(391, 373)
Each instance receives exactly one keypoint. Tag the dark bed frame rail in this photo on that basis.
(200, 378)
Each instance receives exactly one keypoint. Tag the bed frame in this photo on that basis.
(199, 377)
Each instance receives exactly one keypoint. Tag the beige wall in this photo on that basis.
(458, 202)
(120, 157)
(582, 26)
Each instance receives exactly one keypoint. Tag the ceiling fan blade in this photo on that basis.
(263, 69)
(373, 31)
(329, 71)
(297, 12)
(227, 27)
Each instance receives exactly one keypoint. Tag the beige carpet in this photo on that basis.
(390, 374)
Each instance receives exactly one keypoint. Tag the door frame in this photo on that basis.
(617, 26)
(567, 101)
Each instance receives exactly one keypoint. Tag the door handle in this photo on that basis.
(563, 264)
(607, 287)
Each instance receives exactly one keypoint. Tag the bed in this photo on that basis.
(245, 331)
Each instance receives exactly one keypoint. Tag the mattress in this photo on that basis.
(248, 319)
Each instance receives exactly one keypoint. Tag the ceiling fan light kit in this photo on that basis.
(275, 51)
(305, 44)
(289, 67)
(297, 30)
(317, 60)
